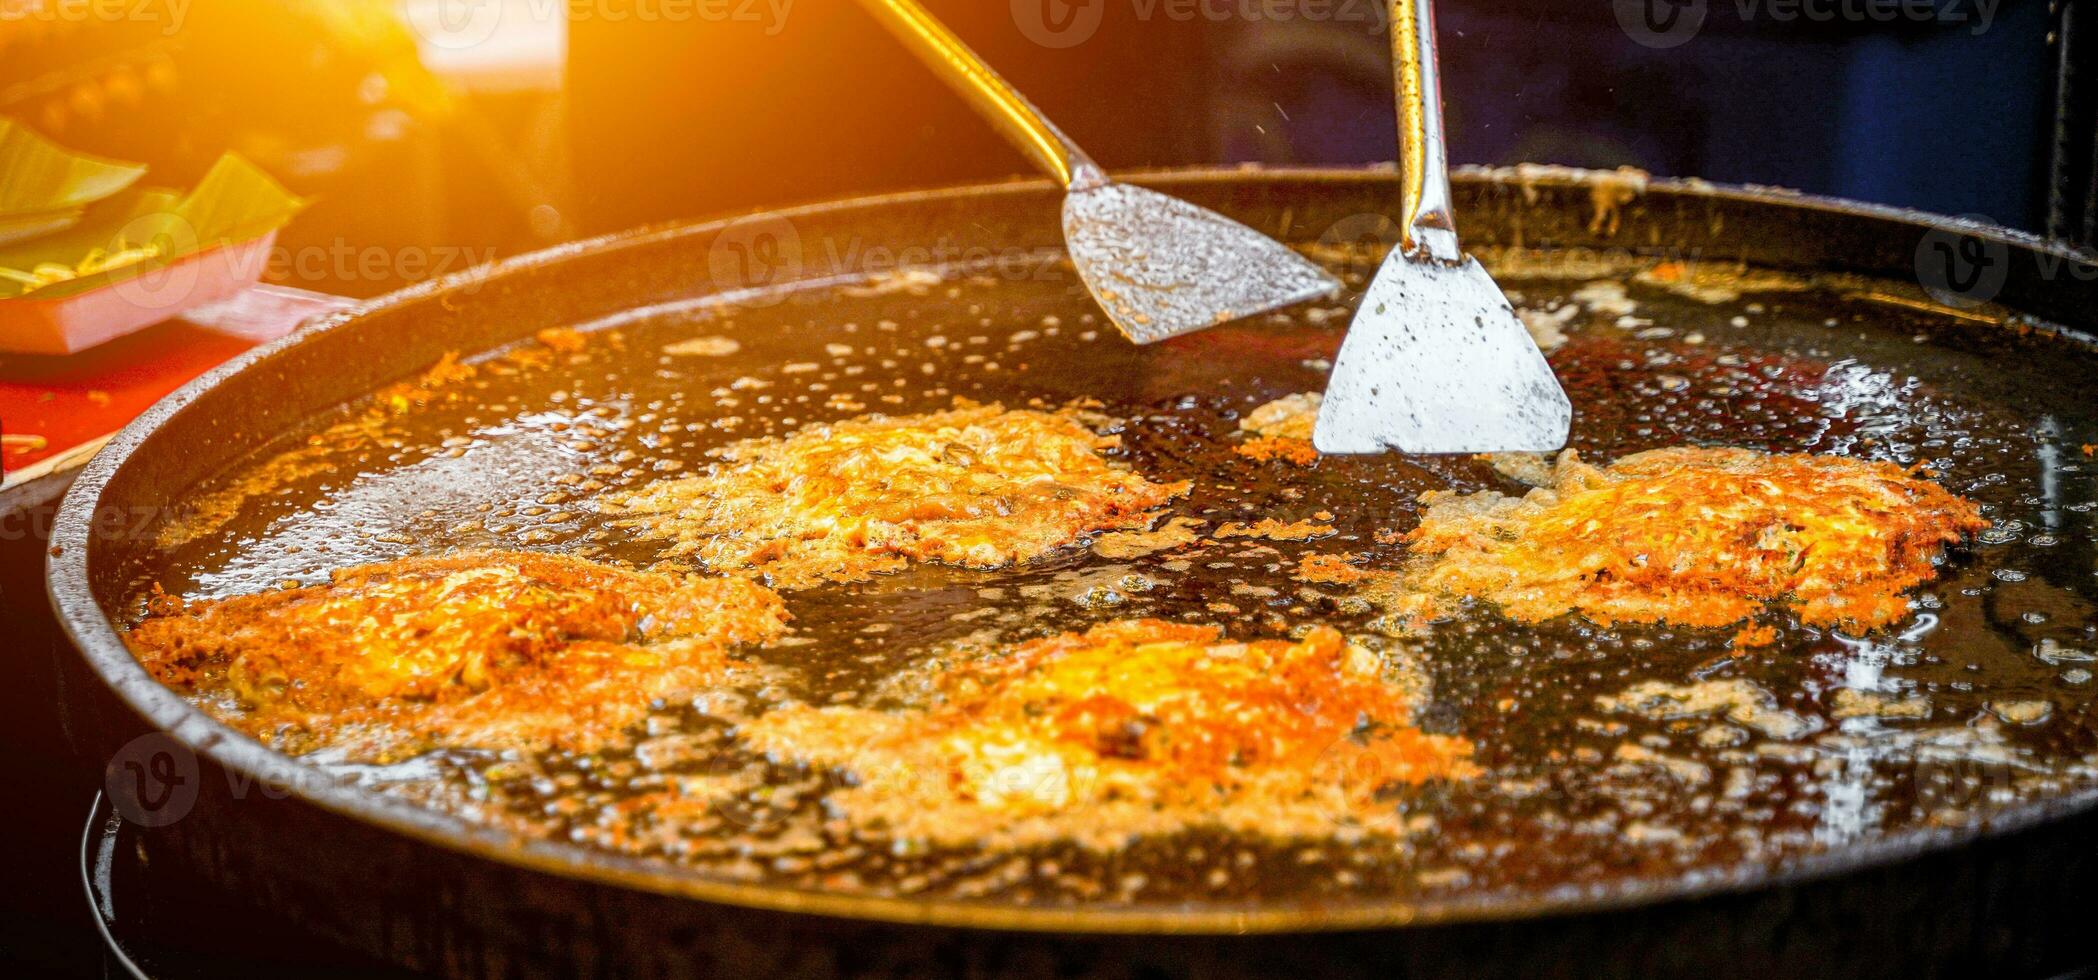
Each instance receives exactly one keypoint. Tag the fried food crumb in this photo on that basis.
(1849, 703)
(1696, 537)
(1742, 702)
(1547, 328)
(1332, 569)
(482, 649)
(1288, 417)
(1274, 530)
(562, 340)
(979, 487)
(1752, 635)
(1529, 469)
(1129, 728)
(1296, 452)
(703, 347)
(1178, 532)
(2022, 711)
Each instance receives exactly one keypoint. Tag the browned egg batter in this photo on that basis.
(980, 487)
(1075, 621)
(486, 650)
(1692, 537)
(1129, 728)
(1281, 430)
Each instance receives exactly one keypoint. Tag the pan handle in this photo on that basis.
(1424, 169)
(988, 93)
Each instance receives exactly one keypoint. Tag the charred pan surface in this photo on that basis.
(485, 650)
(979, 487)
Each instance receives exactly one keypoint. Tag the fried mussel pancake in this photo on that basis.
(1695, 537)
(979, 487)
(1129, 728)
(485, 650)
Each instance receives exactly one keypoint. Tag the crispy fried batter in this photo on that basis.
(1132, 727)
(1696, 537)
(1274, 530)
(1178, 532)
(488, 649)
(1752, 635)
(1341, 569)
(1288, 417)
(979, 487)
(1296, 452)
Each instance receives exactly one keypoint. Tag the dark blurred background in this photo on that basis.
(1945, 115)
(474, 128)
(510, 124)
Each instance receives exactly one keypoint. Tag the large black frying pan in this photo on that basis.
(1875, 848)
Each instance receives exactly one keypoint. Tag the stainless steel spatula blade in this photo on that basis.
(1436, 362)
(1162, 267)
(1158, 265)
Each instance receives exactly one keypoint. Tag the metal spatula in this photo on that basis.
(1159, 266)
(1435, 360)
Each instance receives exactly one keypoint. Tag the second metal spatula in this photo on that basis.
(1158, 266)
(1435, 360)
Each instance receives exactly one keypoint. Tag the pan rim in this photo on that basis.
(96, 640)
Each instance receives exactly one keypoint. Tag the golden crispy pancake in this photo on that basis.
(1695, 537)
(979, 487)
(1131, 727)
(488, 650)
